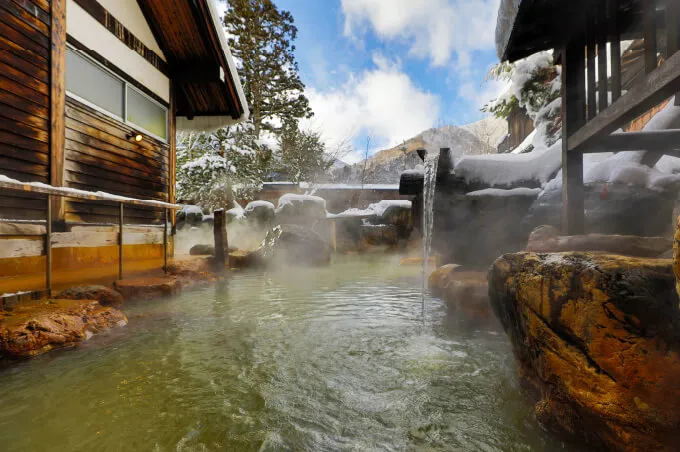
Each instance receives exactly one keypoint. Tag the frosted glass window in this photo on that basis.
(92, 83)
(146, 113)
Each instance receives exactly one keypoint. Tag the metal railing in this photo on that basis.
(64, 192)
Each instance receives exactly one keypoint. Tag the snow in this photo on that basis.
(525, 145)
(255, 204)
(375, 209)
(192, 210)
(509, 169)
(307, 186)
(507, 13)
(291, 199)
(499, 193)
(414, 172)
(66, 191)
(381, 207)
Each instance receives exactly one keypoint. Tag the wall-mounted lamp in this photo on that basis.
(135, 137)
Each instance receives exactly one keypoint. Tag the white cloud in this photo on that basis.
(382, 103)
(436, 29)
(480, 94)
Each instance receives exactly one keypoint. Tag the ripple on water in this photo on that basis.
(319, 359)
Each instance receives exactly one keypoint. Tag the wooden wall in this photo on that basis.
(24, 102)
(520, 126)
(99, 157)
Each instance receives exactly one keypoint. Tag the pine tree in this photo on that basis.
(261, 38)
(214, 168)
(302, 155)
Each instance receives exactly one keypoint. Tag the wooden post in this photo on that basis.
(58, 104)
(165, 240)
(615, 39)
(120, 243)
(220, 238)
(573, 114)
(673, 33)
(602, 56)
(172, 157)
(590, 67)
(649, 19)
(48, 248)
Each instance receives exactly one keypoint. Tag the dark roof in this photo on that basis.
(206, 82)
(525, 27)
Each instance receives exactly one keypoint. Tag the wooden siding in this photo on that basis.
(24, 102)
(99, 157)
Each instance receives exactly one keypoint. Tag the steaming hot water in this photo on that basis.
(331, 358)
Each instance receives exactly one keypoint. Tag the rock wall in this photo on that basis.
(597, 339)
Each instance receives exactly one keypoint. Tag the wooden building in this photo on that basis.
(588, 46)
(92, 93)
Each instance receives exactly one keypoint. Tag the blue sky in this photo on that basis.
(390, 69)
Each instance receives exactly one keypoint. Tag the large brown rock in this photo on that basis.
(147, 288)
(462, 290)
(31, 329)
(104, 295)
(546, 239)
(598, 339)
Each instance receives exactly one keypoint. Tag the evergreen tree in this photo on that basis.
(302, 155)
(214, 168)
(261, 39)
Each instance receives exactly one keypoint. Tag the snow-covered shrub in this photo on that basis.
(213, 168)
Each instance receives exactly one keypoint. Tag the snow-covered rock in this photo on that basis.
(300, 209)
(260, 213)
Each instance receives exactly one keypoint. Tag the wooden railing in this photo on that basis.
(8, 184)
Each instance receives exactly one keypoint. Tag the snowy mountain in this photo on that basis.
(385, 166)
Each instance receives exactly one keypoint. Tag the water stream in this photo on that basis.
(314, 359)
(429, 184)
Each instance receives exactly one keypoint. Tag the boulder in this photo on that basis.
(260, 214)
(104, 295)
(546, 239)
(475, 228)
(241, 259)
(625, 210)
(465, 291)
(206, 250)
(147, 288)
(293, 244)
(395, 213)
(373, 235)
(234, 215)
(597, 339)
(303, 210)
(34, 328)
(189, 216)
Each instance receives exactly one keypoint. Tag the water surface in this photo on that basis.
(298, 359)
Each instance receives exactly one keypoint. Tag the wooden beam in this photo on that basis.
(649, 23)
(653, 89)
(197, 74)
(101, 15)
(615, 40)
(652, 141)
(219, 233)
(82, 194)
(573, 112)
(590, 68)
(602, 56)
(58, 105)
(673, 33)
(172, 157)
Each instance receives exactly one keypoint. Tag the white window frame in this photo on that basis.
(126, 85)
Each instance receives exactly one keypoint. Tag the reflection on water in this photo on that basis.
(301, 359)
